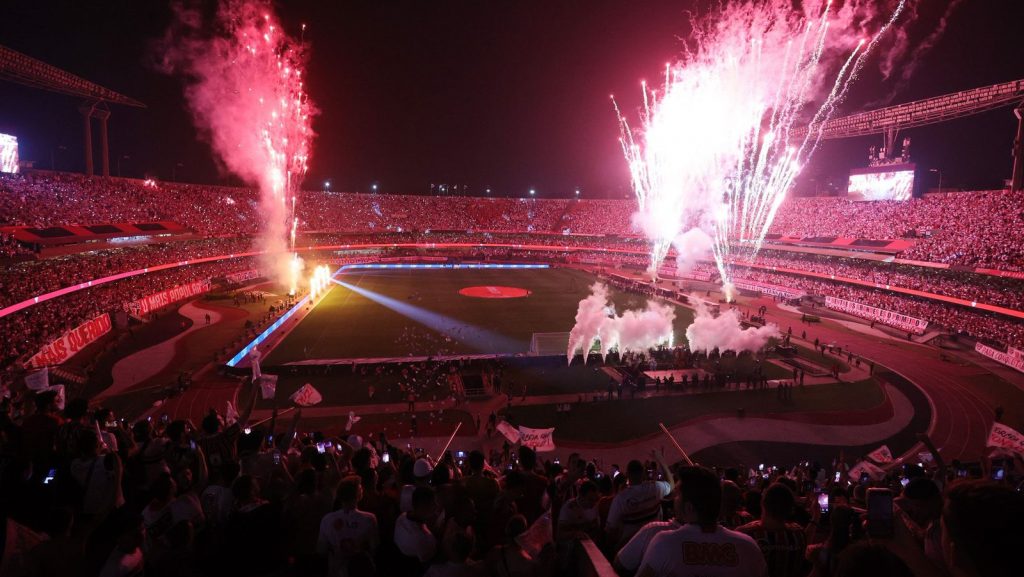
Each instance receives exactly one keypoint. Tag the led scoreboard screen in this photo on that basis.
(8, 153)
(893, 182)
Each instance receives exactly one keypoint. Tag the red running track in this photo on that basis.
(961, 418)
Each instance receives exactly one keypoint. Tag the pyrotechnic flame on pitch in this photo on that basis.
(246, 90)
(633, 330)
(716, 150)
(725, 332)
(319, 281)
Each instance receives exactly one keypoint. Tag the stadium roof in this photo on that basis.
(923, 112)
(22, 69)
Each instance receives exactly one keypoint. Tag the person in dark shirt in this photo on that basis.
(39, 433)
(782, 542)
(533, 501)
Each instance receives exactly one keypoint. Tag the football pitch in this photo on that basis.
(409, 312)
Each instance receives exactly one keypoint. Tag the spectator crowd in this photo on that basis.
(86, 493)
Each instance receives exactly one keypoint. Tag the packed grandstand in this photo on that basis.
(965, 246)
(215, 494)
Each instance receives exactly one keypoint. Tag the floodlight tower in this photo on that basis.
(1017, 176)
(27, 71)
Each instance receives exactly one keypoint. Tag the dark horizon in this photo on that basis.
(509, 96)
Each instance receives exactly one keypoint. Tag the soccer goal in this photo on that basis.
(549, 344)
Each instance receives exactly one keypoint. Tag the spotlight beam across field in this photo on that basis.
(477, 337)
(316, 299)
(369, 266)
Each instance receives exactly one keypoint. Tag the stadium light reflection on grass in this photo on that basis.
(273, 327)
(428, 318)
(473, 335)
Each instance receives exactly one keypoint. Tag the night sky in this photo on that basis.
(508, 94)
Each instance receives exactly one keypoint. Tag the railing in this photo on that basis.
(591, 562)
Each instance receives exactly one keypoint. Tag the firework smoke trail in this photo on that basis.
(718, 148)
(245, 87)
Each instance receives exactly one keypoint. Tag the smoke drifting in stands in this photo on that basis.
(631, 331)
(245, 87)
(724, 332)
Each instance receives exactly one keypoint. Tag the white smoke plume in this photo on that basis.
(691, 247)
(633, 330)
(245, 86)
(725, 332)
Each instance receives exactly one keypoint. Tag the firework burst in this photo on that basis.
(721, 142)
(246, 89)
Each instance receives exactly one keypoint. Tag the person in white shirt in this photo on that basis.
(348, 535)
(637, 504)
(126, 559)
(701, 547)
(412, 529)
(627, 561)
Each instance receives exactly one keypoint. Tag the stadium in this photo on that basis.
(744, 338)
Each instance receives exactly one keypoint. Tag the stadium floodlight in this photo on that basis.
(532, 191)
(327, 184)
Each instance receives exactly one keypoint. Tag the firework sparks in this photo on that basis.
(717, 151)
(319, 281)
(247, 93)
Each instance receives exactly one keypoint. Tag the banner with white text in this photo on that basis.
(893, 319)
(1006, 438)
(145, 305)
(540, 440)
(1011, 358)
(71, 342)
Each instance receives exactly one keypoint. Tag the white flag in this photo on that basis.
(540, 440)
(39, 380)
(352, 419)
(268, 386)
(230, 414)
(881, 455)
(1006, 438)
(511, 433)
(59, 389)
(537, 536)
(306, 396)
(875, 473)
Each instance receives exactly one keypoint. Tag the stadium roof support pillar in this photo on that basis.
(87, 118)
(104, 150)
(90, 110)
(889, 136)
(1017, 178)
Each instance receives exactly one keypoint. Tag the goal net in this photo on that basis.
(549, 344)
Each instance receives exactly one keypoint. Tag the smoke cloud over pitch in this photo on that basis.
(725, 332)
(633, 330)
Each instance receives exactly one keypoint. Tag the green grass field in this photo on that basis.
(370, 320)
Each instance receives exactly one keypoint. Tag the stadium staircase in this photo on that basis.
(473, 385)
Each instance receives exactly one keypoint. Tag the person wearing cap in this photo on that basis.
(421, 471)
